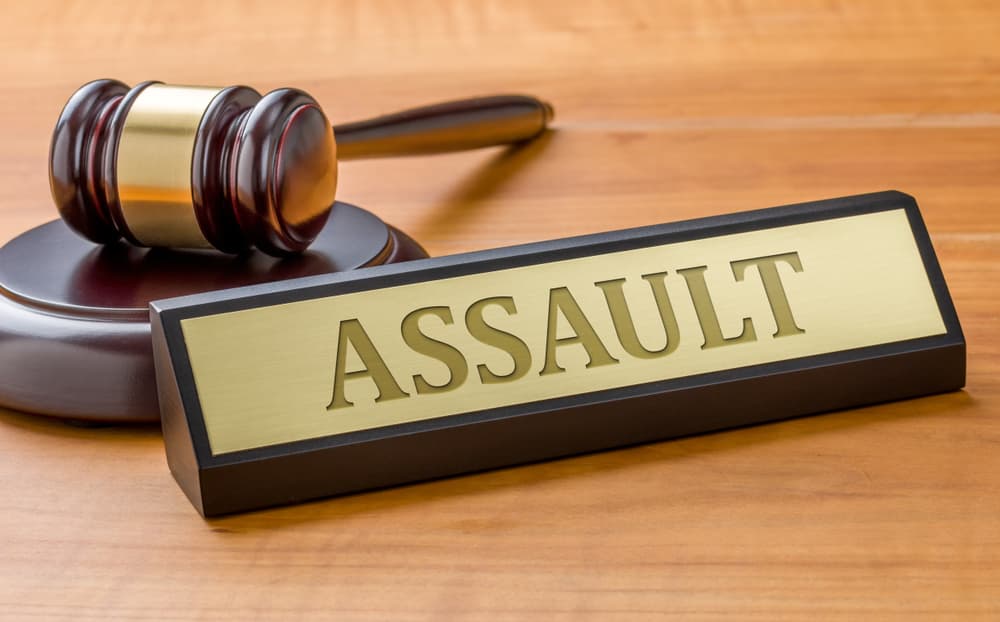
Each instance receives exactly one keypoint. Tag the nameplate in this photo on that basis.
(283, 392)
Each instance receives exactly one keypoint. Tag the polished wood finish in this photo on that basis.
(284, 172)
(211, 170)
(77, 156)
(449, 126)
(666, 111)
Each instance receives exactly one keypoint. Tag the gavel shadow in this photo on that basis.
(126, 276)
(484, 182)
(75, 274)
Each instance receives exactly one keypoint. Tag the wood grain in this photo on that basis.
(664, 111)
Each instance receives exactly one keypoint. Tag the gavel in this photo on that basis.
(200, 167)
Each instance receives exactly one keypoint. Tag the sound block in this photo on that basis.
(74, 319)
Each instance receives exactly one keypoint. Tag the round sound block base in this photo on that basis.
(74, 321)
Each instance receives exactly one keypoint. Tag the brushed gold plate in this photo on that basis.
(268, 375)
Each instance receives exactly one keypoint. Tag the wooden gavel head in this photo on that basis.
(200, 167)
(182, 166)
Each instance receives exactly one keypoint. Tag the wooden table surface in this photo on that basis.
(665, 111)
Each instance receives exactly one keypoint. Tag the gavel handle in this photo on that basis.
(449, 126)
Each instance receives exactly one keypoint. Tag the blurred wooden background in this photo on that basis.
(665, 111)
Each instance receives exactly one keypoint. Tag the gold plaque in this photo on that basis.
(636, 323)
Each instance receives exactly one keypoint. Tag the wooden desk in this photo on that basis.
(664, 112)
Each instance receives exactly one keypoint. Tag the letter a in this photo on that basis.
(562, 301)
(351, 332)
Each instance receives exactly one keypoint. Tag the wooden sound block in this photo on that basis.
(74, 320)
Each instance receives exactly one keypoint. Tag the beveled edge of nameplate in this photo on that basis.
(168, 314)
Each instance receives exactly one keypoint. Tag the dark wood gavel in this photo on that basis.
(201, 167)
